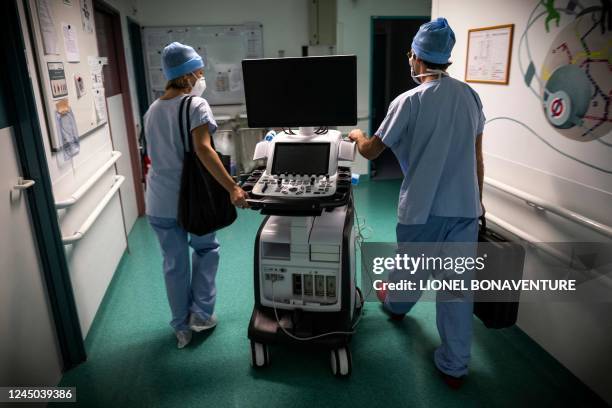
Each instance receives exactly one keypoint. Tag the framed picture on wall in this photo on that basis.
(489, 51)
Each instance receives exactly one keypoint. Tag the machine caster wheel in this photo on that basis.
(359, 300)
(260, 355)
(341, 363)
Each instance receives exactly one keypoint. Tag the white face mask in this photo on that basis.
(199, 87)
(417, 78)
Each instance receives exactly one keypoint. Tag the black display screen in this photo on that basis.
(305, 91)
(301, 158)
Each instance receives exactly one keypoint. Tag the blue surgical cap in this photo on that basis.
(434, 41)
(179, 59)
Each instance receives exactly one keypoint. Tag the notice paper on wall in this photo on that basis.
(99, 105)
(488, 57)
(228, 78)
(95, 68)
(47, 27)
(71, 44)
(79, 84)
(87, 16)
(57, 78)
(235, 78)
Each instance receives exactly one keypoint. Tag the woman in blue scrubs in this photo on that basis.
(190, 289)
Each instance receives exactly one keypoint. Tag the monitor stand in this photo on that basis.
(306, 131)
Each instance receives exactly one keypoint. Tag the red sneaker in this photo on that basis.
(381, 294)
(453, 382)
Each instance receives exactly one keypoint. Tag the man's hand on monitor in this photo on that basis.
(369, 148)
(239, 197)
(356, 135)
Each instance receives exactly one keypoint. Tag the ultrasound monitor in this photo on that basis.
(304, 91)
(301, 158)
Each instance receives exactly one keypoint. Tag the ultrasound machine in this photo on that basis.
(304, 264)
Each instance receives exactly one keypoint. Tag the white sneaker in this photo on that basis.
(197, 324)
(183, 337)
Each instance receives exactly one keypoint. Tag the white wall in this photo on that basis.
(90, 271)
(577, 334)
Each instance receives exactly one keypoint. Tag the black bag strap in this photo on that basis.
(186, 141)
(186, 136)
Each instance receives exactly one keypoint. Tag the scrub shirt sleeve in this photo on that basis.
(481, 116)
(201, 114)
(394, 125)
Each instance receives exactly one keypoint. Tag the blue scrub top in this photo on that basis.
(165, 150)
(432, 131)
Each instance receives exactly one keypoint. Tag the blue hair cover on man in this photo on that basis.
(434, 41)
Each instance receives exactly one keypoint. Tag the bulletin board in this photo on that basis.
(69, 68)
(222, 47)
(488, 54)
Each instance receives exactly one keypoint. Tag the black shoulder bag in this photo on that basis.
(204, 205)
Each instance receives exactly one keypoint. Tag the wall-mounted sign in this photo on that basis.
(488, 54)
(57, 78)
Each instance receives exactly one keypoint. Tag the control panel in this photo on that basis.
(289, 185)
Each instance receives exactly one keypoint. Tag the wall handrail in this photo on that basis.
(80, 192)
(541, 204)
(548, 248)
(80, 233)
(528, 238)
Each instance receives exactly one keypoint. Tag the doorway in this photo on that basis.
(390, 76)
(134, 30)
(119, 106)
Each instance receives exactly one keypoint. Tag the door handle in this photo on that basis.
(23, 184)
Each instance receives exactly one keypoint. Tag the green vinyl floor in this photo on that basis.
(133, 361)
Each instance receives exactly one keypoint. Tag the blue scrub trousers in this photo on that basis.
(189, 290)
(453, 318)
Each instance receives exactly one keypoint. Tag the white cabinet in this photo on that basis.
(322, 22)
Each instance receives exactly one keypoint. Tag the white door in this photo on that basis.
(29, 352)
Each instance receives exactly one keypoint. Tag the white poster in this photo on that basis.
(57, 78)
(99, 105)
(87, 16)
(71, 44)
(95, 68)
(235, 78)
(47, 27)
(489, 51)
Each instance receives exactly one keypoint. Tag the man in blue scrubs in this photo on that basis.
(435, 131)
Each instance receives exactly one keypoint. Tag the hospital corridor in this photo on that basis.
(306, 203)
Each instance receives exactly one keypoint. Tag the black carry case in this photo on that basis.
(499, 315)
(204, 205)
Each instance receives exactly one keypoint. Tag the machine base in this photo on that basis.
(264, 330)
